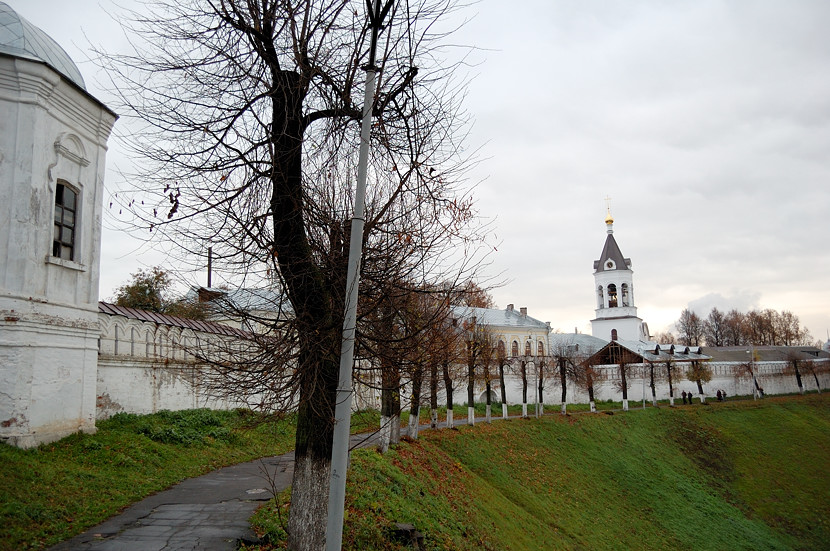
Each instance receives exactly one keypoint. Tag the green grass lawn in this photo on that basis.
(735, 475)
(55, 491)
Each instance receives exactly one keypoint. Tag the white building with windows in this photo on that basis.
(616, 314)
(53, 143)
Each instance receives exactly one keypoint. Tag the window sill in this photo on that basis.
(72, 265)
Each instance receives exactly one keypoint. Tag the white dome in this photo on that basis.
(19, 38)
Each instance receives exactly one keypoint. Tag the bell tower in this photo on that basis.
(614, 292)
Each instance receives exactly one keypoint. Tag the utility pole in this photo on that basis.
(343, 408)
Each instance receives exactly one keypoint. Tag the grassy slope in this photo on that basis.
(739, 475)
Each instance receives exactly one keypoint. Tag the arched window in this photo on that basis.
(540, 349)
(528, 349)
(612, 295)
(66, 207)
(514, 349)
(624, 291)
(600, 297)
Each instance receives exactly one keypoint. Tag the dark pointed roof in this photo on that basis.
(611, 251)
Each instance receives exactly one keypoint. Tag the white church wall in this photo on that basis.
(49, 131)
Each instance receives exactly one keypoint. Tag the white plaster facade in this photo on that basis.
(52, 133)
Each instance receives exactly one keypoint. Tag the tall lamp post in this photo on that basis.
(343, 407)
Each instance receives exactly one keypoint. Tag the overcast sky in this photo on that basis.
(707, 123)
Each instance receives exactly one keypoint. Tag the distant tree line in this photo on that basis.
(766, 327)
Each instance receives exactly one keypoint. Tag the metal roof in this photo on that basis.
(499, 318)
(583, 343)
(19, 38)
(172, 321)
(653, 352)
(230, 301)
(611, 251)
(764, 353)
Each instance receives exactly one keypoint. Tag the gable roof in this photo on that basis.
(492, 317)
(639, 352)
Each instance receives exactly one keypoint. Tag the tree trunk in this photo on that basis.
(671, 388)
(624, 384)
(540, 408)
(503, 391)
(433, 395)
(448, 389)
(651, 384)
(524, 389)
(590, 384)
(415, 402)
(563, 382)
(488, 400)
(700, 391)
(318, 317)
(818, 386)
(471, 380)
(390, 404)
(798, 377)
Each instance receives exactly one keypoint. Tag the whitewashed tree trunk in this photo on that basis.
(471, 415)
(503, 410)
(593, 407)
(625, 404)
(433, 418)
(449, 419)
(524, 409)
(702, 398)
(489, 412)
(395, 426)
(385, 434)
(564, 409)
(310, 481)
(414, 423)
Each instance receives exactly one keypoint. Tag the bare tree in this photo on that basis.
(689, 328)
(481, 352)
(542, 364)
(815, 367)
(734, 334)
(669, 370)
(247, 136)
(566, 356)
(700, 373)
(714, 328)
(503, 363)
(584, 372)
(651, 377)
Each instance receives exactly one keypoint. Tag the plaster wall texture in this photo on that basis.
(628, 328)
(50, 130)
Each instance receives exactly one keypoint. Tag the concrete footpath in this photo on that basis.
(209, 512)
